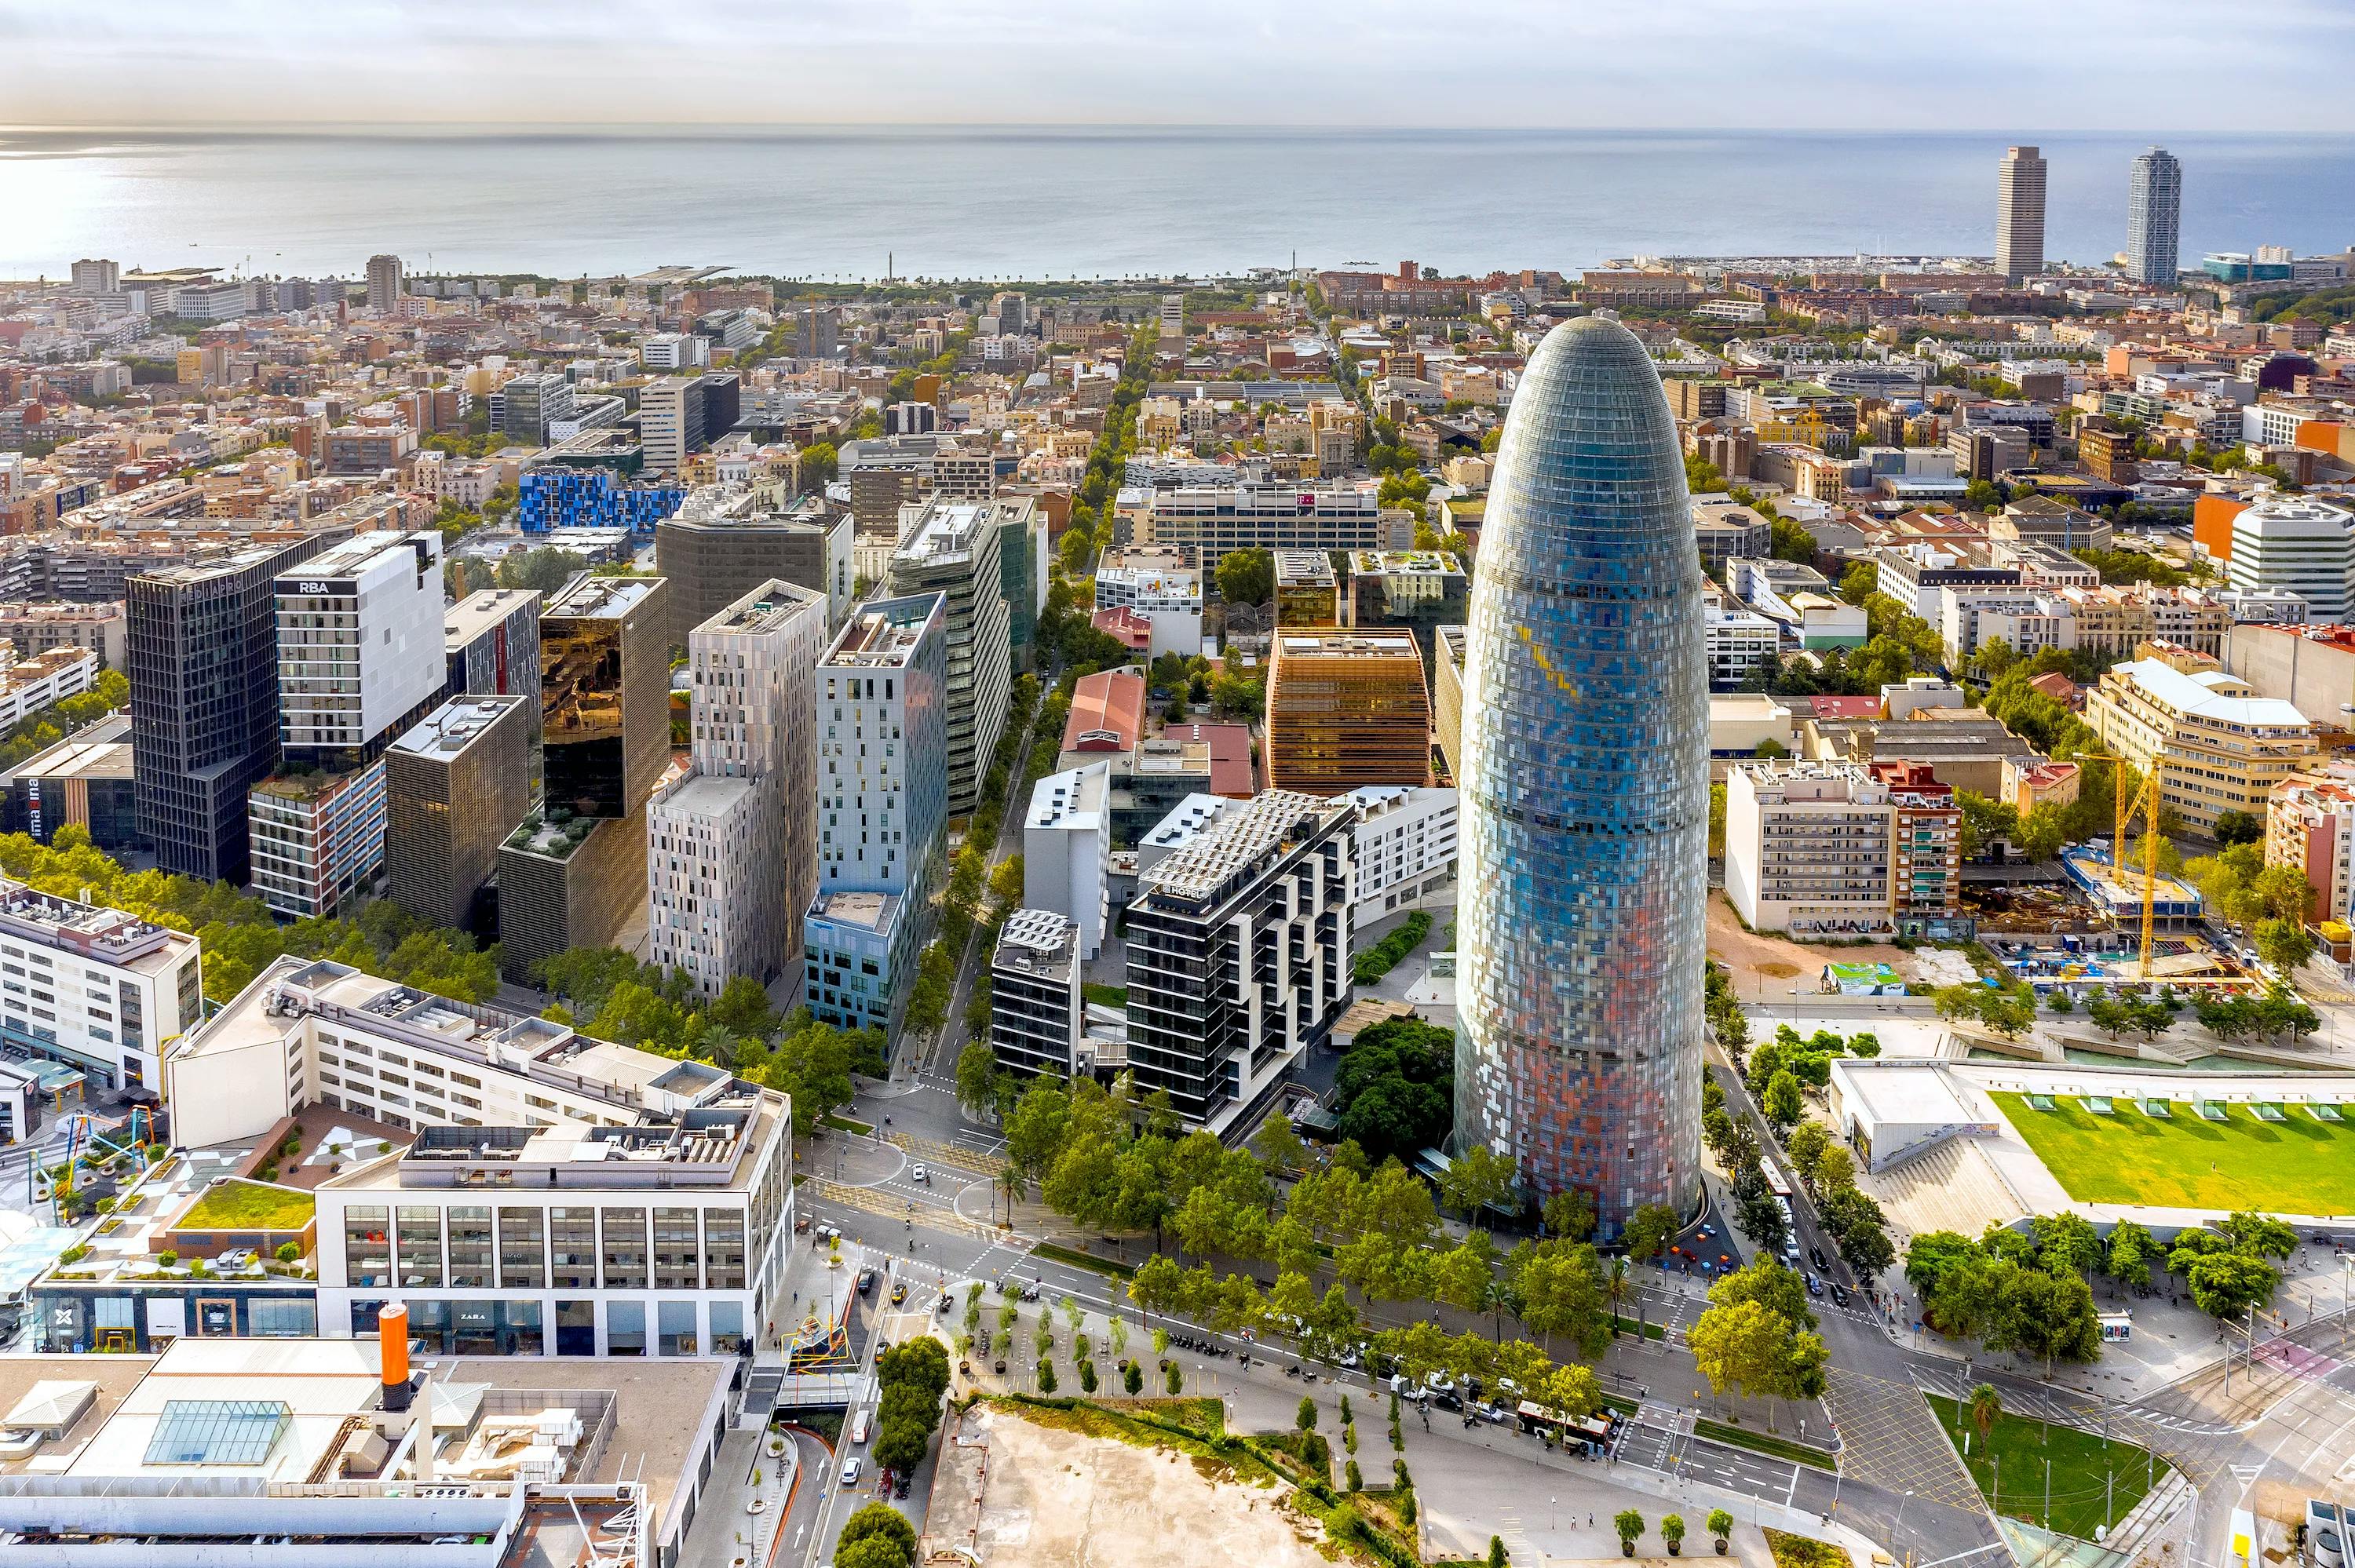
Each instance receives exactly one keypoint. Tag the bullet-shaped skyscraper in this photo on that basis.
(1585, 791)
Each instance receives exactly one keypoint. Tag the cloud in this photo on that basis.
(2082, 64)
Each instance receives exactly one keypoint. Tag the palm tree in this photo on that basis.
(1986, 1405)
(1010, 1182)
(1616, 1287)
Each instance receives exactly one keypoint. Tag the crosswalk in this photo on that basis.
(870, 1201)
(938, 1153)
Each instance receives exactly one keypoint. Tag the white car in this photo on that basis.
(920, 1174)
(852, 1469)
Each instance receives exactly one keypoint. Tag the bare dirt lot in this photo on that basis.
(1018, 1494)
(1756, 960)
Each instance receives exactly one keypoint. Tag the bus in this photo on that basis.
(859, 1424)
(1777, 1182)
(1591, 1429)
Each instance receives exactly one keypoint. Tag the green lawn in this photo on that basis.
(1105, 995)
(233, 1204)
(2087, 1471)
(2298, 1166)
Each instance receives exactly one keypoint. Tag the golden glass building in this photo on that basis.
(1345, 710)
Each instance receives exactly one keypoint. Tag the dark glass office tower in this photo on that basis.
(605, 682)
(202, 652)
(1585, 791)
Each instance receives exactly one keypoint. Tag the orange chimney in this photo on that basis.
(392, 1345)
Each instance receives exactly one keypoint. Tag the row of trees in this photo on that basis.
(239, 935)
(43, 728)
(1757, 1337)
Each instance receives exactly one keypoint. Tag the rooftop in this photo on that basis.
(868, 911)
(1040, 942)
(92, 930)
(2212, 695)
(1239, 840)
(456, 725)
(478, 612)
(1404, 563)
(944, 530)
(883, 634)
(1107, 712)
(602, 598)
(1299, 644)
(1073, 799)
(772, 605)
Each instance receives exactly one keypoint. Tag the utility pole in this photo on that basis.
(2048, 1493)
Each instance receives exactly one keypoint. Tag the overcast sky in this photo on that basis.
(2128, 65)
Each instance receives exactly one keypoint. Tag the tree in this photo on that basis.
(1720, 1524)
(1570, 1213)
(882, 1523)
(1650, 1230)
(1477, 1178)
(1246, 576)
(873, 1552)
(976, 1077)
(1737, 1346)
(2284, 944)
(1629, 1526)
(2128, 1256)
(1672, 1531)
(1985, 1406)
(1305, 1418)
(2238, 827)
(1784, 1103)
(1805, 1144)
(1497, 1555)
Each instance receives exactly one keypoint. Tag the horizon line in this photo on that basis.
(627, 127)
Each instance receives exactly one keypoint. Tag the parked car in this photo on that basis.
(852, 1469)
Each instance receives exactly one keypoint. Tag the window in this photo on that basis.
(626, 1329)
(275, 1318)
(727, 1327)
(368, 1247)
(470, 1248)
(623, 1233)
(572, 1249)
(521, 1248)
(723, 1249)
(677, 1264)
(675, 1322)
(421, 1246)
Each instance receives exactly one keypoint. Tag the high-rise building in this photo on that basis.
(727, 540)
(1584, 791)
(731, 844)
(1345, 710)
(2306, 547)
(97, 276)
(359, 660)
(2019, 214)
(1037, 1011)
(604, 687)
(2153, 217)
(1237, 944)
(203, 702)
(950, 549)
(1022, 558)
(882, 807)
(678, 416)
(818, 332)
(527, 405)
(490, 643)
(384, 281)
(123, 987)
(455, 785)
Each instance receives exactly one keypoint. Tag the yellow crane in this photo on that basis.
(2144, 800)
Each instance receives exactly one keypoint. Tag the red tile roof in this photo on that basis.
(1107, 713)
(1230, 759)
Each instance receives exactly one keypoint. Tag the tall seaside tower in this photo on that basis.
(2153, 217)
(1585, 791)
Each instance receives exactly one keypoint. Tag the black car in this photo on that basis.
(1840, 1292)
(1816, 1255)
(1445, 1399)
(866, 1282)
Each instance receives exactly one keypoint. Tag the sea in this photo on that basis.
(987, 202)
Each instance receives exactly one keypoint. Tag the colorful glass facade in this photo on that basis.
(1585, 791)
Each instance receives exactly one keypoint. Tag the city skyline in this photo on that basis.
(1059, 62)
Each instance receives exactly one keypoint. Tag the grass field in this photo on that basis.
(2299, 1166)
(2095, 1482)
(230, 1205)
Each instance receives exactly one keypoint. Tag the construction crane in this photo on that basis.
(2144, 800)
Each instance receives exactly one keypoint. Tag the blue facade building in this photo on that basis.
(549, 498)
(1585, 791)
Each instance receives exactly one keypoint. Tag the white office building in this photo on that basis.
(1065, 842)
(92, 989)
(1741, 643)
(672, 350)
(1404, 852)
(1807, 848)
(562, 1195)
(731, 845)
(2307, 548)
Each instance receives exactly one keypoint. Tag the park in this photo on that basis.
(2300, 1164)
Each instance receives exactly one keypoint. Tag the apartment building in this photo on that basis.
(1925, 839)
(1206, 522)
(731, 844)
(203, 663)
(1238, 947)
(1038, 1013)
(727, 540)
(1414, 590)
(950, 549)
(556, 1194)
(1743, 644)
(2311, 828)
(1066, 847)
(1727, 530)
(29, 683)
(360, 659)
(1809, 849)
(1402, 850)
(1308, 593)
(1345, 710)
(1169, 600)
(92, 989)
(568, 881)
(679, 416)
(36, 627)
(882, 803)
(2221, 747)
(456, 784)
